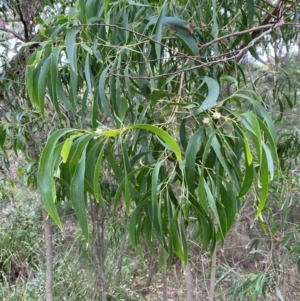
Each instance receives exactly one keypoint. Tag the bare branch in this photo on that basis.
(238, 56)
(4, 28)
(24, 22)
(235, 34)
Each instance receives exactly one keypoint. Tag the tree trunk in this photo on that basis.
(165, 282)
(189, 284)
(213, 275)
(152, 270)
(120, 260)
(49, 256)
(98, 222)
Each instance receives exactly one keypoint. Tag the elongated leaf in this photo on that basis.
(71, 47)
(211, 199)
(77, 149)
(101, 87)
(155, 182)
(251, 10)
(190, 159)
(45, 175)
(163, 136)
(66, 148)
(97, 173)
(42, 84)
(264, 182)
(188, 41)
(92, 156)
(159, 30)
(176, 239)
(78, 195)
(212, 95)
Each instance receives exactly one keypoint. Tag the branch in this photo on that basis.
(4, 28)
(239, 55)
(173, 114)
(275, 12)
(264, 10)
(24, 22)
(235, 34)
(144, 36)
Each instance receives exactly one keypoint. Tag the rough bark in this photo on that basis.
(98, 222)
(120, 260)
(213, 275)
(165, 282)
(189, 284)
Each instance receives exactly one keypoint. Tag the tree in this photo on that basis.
(151, 97)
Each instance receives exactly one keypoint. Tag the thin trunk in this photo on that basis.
(213, 275)
(49, 256)
(152, 270)
(165, 282)
(189, 283)
(98, 222)
(120, 260)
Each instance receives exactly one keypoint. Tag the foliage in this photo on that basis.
(152, 111)
(153, 98)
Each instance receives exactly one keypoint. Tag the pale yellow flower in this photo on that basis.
(216, 115)
(99, 131)
(206, 120)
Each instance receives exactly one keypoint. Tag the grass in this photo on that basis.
(260, 271)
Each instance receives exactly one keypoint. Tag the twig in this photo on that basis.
(23, 20)
(239, 55)
(4, 28)
(179, 97)
(139, 34)
(234, 34)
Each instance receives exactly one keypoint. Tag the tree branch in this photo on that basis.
(4, 28)
(275, 12)
(24, 22)
(235, 34)
(238, 56)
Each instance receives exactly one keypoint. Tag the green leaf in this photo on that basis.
(248, 180)
(102, 87)
(253, 127)
(88, 73)
(278, 294)
(97, 174)
(135, 226)
(229, 79)
(154, 183)
(211, 201)
(77, 149)
(162, 135)
(212, 95)
(71, 47)
(62, 96)
(159, 30)
(66, 148)
(42, 84)
(190, 159)
(251, 10)
(54, 76)
(188, 41)
(92, 156)
(45, 176)
(78, 195)
(218, 151)
(178, 237)
(264, 179)
(2, 136)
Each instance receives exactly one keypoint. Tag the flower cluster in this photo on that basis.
(216, 115)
